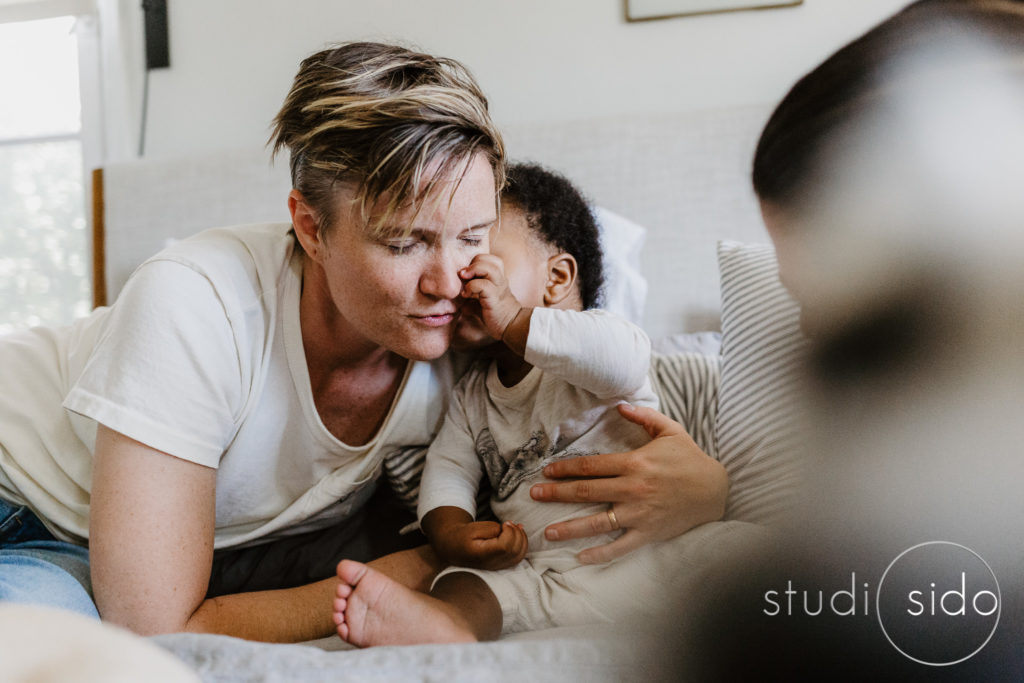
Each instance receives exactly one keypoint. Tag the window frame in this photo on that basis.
(90, 133)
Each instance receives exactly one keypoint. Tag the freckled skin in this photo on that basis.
(394, 291)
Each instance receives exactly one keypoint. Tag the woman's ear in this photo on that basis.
(561, 279)
(306, 224)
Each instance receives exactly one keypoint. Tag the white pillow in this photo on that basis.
(625, 288)
(762, 355)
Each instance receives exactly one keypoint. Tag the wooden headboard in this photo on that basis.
(99, 253)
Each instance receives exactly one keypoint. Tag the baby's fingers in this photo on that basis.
(477, 288)
(482, 266)
(484, 531)
(514, 539)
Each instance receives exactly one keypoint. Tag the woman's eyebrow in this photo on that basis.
(485, 225)
(397, 232)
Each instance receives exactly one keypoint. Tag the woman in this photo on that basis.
(248, 382)
(896, 261)
(847, 147)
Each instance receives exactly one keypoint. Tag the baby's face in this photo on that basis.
(526, 267)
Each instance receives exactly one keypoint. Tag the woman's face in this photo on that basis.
(776, 222)
(790, 255)
(399, 289)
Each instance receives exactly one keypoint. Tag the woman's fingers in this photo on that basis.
(600, 465)
(631, 540)
(603, 490)
(590, 525)
(657, 426)
(655, 423)
(660, 490)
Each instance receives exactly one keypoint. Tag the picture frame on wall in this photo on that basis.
(647, 10)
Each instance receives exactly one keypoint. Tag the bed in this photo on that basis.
(669, 189)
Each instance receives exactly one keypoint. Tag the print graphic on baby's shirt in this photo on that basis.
(522, 463)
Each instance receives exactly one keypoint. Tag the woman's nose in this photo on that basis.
(441, 278)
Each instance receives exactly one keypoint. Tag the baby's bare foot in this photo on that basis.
(372, 609)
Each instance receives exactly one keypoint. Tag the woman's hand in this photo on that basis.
(656, 492)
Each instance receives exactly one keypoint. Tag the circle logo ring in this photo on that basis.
(878, 603)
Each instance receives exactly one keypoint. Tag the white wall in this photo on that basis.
(232, 61)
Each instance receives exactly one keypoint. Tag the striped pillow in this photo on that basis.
(687, 388)
(762, 352)
(403, 469)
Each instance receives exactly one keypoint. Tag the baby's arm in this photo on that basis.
(459, 540)
(447, 499)
(594, 350)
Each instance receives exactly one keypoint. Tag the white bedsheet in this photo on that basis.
(596, 654)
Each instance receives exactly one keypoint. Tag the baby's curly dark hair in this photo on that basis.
(559, 214)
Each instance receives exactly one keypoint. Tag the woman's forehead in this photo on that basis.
(463, 199)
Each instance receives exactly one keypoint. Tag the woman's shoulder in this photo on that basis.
(242, 262)
(261, 245)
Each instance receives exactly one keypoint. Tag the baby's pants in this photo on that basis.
(538, 593)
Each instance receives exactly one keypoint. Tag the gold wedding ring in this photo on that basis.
(613, 519)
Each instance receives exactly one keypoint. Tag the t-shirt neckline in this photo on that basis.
(292, 330)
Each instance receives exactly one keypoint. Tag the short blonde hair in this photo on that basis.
(391, 122)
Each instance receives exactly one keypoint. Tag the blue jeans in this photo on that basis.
(36, 568)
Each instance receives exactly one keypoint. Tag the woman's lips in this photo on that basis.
(436, 319)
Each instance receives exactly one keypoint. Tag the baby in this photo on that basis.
(556, 374)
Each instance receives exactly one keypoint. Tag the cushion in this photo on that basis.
(708, 343)
(625, 288)
(759, 394)
(687, 387)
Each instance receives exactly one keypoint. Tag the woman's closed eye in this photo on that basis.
(401, 247)
(475, 236)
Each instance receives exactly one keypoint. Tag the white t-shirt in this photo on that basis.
(585, 363)
(201, 357)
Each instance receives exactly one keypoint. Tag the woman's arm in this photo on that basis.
(150, 534)
(659, 491)
(151, 549)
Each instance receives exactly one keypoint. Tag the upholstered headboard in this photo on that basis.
(684, 177)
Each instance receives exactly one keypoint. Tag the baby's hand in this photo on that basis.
(484, 280)
(485, 545)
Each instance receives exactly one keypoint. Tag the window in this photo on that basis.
(44, 243)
